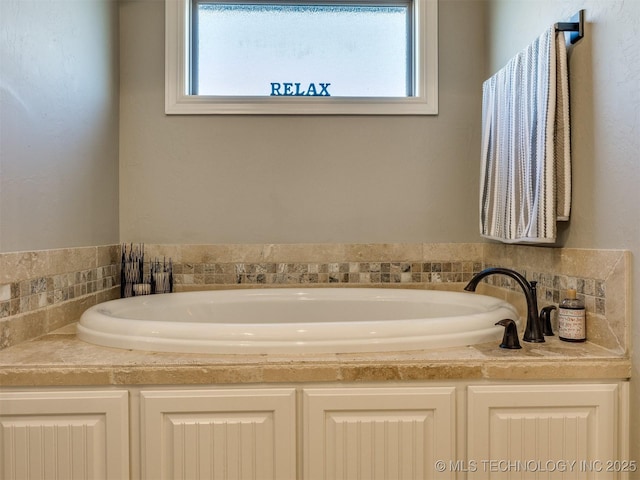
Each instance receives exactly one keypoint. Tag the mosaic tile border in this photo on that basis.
(287, 273)
(30, 295)
(552, 288)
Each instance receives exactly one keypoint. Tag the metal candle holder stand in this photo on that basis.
(132, 269)
(133, 281)
(161, 276)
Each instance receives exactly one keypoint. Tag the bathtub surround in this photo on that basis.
(198, 267)
(61, 359)
(44, 290)
(601, 278)
(403, 273)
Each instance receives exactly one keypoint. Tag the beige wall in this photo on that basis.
(290, 179)
(58, 124)
(605, 106)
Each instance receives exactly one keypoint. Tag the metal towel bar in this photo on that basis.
(575, 26)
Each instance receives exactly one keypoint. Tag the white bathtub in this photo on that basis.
(293, 320)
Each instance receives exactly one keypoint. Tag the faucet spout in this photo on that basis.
(533, 330)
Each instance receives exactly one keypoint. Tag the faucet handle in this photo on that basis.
(510, 337)
(545, 319)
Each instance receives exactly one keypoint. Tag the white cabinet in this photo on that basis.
(536, 431)
(68, 434)
(378, 433)
(218, 434)
(309, 432)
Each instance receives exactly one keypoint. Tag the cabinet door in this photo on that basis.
(218, 434)
(68, 434)
(537, 431)
(378, 433)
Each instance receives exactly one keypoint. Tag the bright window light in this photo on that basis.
(301, 50)
(342, 57)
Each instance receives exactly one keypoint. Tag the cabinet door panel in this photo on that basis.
(64, 435)
(218, 434)
(539, 430)
(380, 433)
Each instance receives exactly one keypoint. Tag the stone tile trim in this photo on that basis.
(324, 273)
(29, 295)
(601, 278)
(552, 288)
(211, 266)
(360, 264)
(32, 283)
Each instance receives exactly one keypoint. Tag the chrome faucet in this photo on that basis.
(533, 329)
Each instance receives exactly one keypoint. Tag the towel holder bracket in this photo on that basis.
(575, 27)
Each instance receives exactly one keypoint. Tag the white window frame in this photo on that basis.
(423, 102)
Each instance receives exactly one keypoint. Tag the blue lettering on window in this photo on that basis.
(293, 89)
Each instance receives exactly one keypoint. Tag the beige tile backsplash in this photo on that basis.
(601, 277)
(44, 290)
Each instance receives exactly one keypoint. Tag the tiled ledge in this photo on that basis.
(61, 359)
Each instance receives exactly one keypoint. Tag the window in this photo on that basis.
(302, 57)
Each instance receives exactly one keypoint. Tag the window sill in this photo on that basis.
(207, 105)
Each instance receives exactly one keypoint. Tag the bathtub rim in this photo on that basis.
(337, 343)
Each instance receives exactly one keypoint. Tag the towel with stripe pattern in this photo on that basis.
(525, 181)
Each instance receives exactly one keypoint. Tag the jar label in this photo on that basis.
(571, 324)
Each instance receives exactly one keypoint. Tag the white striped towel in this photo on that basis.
(525, 180)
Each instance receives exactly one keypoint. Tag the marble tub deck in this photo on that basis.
(60, 359)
